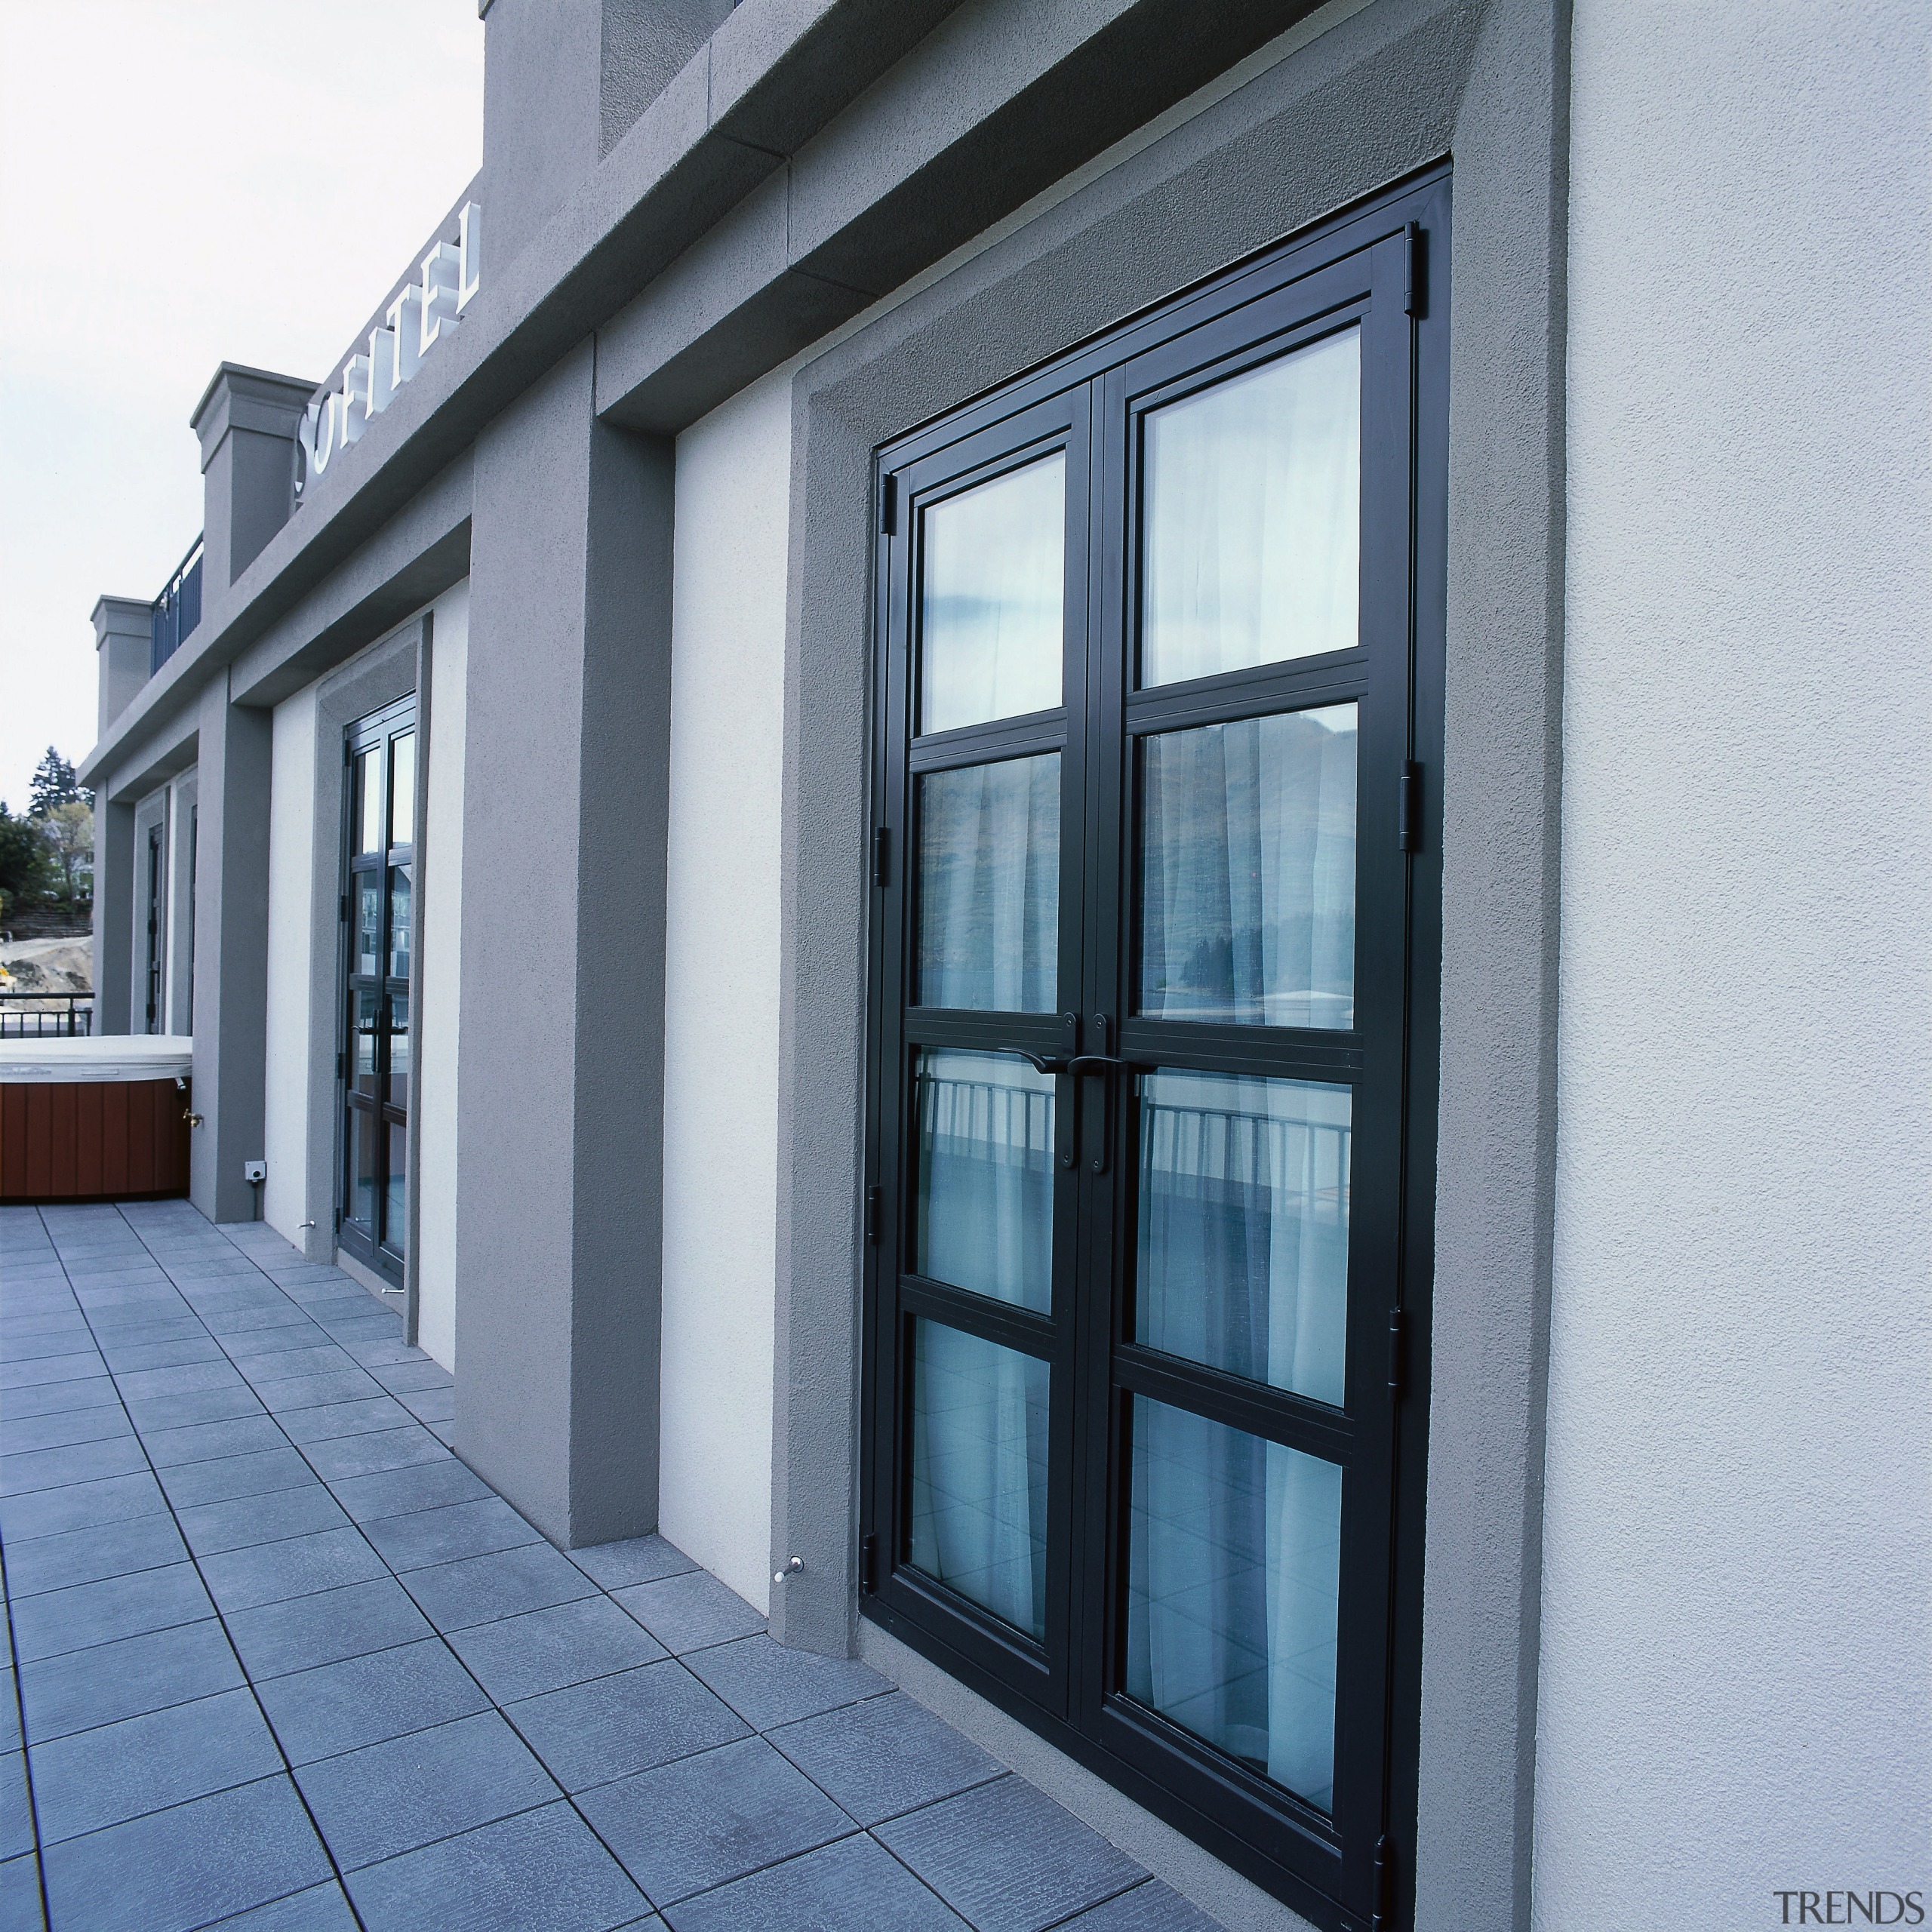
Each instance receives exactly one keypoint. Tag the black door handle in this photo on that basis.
(1096, 1063)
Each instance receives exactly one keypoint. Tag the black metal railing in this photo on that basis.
(178, 609)
(46, 1016)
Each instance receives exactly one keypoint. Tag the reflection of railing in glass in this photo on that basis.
(1243, 1215)
(986, 1168)
(1252, 1154)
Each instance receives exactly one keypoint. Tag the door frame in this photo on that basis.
(394, 719)
(1397, 231)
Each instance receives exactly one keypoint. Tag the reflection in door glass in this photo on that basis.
(368, 827)
(980, 1473)
(402, 791)
(984, 1215)
(364, 1048)
(1234, 1567)
(990, 586)
(397, 1093)
(1248, 872)
(1253, 494)
(364, 1128)
(399, 901)
(1243, 1205)
(395, 1208)
(368, 924)
(988, 886)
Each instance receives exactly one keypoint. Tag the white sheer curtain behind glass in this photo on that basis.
(1250, 554)
(988, 886)
(1243, 1207)
(984, 1217)
(1248, 872)
(1233, 1584)
(992, 582)
(980, 1473)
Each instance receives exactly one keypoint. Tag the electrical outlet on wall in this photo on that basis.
(253, 1171)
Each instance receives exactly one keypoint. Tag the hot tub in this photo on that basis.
(101, 1119)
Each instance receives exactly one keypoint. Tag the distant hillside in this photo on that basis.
(47, 966)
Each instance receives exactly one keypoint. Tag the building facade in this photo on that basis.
(1064, 820)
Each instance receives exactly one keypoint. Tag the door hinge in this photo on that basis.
(888, 506)
(868, 1565)
(1408, 809)
(1395, 1331)
(343, 915)
(340, 1067)
(1385, 1885)
(874, 1206)
(882, 857)
(1414, 271)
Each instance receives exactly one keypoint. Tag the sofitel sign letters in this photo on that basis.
(417, 321)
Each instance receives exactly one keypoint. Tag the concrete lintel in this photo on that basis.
(903, 177)
(156, 758)
(412, 559)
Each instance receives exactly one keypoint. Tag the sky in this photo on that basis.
(184, 183)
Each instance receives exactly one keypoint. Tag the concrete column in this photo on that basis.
(231, 951)
(113, 914)
(124, 638)
(247, 420)
(560, 1113)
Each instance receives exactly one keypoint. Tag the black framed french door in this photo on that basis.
(1141, 1140)
(379, 841)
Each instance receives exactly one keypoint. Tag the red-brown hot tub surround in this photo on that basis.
(104, 1119)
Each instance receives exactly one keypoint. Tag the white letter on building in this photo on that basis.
(469, 254)
(383, 384)
(355, 389)
(442, 270)
(405, 321)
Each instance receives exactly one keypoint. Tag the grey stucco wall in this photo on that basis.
(1386, 90)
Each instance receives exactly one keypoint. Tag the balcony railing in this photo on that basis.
(178, 609)
(44, 1016)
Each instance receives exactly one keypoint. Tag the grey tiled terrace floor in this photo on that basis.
(281, 1661)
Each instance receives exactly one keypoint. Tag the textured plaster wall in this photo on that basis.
(291, 872)
(1735, 1651)
(722, 965)
(437, 998)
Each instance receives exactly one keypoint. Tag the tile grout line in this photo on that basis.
(288, 1770)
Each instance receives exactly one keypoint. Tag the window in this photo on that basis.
(379, 869)
(1147, 944)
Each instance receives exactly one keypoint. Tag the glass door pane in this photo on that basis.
(988, 886)
(979, 1472)
(1234, 1559)
(1248, 872)
(983, 1202)
(991, 596)
(1243, 1260)
(1253, 493)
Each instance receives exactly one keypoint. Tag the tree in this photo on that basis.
(26, 867)
(68, 832)
(54, 784)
